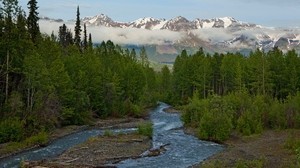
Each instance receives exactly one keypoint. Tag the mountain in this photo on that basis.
(169, 37)
(176, 24)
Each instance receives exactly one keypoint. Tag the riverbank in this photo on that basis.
(10, 149)
(99, 151)
(268, 150)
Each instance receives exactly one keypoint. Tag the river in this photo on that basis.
(182, 150)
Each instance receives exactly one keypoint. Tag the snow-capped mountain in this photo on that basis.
(103, 20)
(147, 23)
(224, 34)
(176, 24)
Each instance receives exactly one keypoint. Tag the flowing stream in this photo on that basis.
(182, 150)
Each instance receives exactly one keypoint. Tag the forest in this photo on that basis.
(225, 92)
(49, 81)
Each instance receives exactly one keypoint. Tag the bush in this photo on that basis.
(146, 129)
(11, 129)
(276, 118)
(215, 126)
(298, 155)
(40, 138)
(132, 109)
(249, 123)
(108, 133)
(194, 111)
(292, 111)
(216, 122)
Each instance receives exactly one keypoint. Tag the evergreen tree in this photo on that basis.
(133, 54)
(65, 36)
(144, 57)
(77, 38)
(32, 20)
(62, 34)
(90, 42)
(85, 38)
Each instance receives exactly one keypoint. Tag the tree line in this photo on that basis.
(50, 81)
(225, 92)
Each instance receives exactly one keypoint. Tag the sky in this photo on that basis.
(271, 13)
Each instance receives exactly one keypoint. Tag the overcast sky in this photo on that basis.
(273, 13)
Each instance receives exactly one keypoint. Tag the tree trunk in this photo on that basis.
(7, 77)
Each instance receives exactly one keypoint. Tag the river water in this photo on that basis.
(182, 150)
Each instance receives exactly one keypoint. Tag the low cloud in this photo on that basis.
(119, 35)
(143, 37)
(213, 35)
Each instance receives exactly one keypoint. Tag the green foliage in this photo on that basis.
(108, 133)
(146, 129)
(11, 129)
(41, 138)
(216, 124)
(276, 116)
(292, 111)
(292, 142)
(38, 139)
(249, 124)
(298, 155)
(212, 117)
(260, 163)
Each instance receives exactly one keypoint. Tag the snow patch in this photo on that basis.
(227, 21)
(160, 25)
(207, 25)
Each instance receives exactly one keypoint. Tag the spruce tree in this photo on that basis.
(144, 57)
(32, 20)
(90, 42)
(85, 40)
(77, 39)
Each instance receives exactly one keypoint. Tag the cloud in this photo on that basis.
(213, 35)
(119, 35)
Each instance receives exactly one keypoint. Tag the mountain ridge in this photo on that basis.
(223, 34)
(178, 23)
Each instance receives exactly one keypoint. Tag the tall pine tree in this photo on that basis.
(32, 20)
(77, 39)
(90, 42)
(85, 40)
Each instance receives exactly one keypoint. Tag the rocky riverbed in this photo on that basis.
(100, 151)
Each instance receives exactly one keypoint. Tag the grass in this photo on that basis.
(146, 129)
(108, 133)
(242, 163)
(39, 139)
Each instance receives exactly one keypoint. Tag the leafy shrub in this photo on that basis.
(292, 111)
(146, 129)
(40, 138)
(249, 123)
(216, 124)
(298, 155)
(132, 109)
(276, 118)
(194, 111)
(11, 129)
(108, 133)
